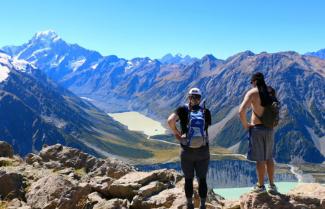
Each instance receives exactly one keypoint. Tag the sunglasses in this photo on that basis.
(194, 96)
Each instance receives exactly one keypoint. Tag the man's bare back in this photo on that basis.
(252, 99)
(256, 106)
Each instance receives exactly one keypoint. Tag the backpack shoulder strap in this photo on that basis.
(259, 117)
(187, 106)
(203, 106)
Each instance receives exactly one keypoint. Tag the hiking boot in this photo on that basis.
(190, 206)
(259, 189)
(202, 206)
(272, 189)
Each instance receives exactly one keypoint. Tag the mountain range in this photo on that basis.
(35, 111)
(320, 53)
(156, 87)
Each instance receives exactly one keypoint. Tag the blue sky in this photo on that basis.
(138, 28)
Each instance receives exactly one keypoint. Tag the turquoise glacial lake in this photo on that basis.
(235, 193)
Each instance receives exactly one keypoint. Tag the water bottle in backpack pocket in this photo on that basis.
(196, 135)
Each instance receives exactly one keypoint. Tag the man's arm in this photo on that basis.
(172, 119)
(208, 120)
(243, 107)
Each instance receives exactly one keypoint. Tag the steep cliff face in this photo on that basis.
(228, 173)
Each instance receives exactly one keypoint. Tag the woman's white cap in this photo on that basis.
(195, 91)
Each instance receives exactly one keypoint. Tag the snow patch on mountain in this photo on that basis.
(22, 65)
(129, 66)
(4, 58)
(59, 123)
(39, 51)
(22, 51)
(57, 62)
(94, 66)
(87, 99)
(75, 65)
(4, 73)
(7, 63)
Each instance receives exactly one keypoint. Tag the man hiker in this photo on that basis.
(261, 138)
(193, 138)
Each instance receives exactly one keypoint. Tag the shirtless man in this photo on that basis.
(261, 138)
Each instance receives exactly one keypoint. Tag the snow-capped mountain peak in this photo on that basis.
(48, 35)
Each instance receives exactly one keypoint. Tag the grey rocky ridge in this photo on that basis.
(64, 178)
(155, 87)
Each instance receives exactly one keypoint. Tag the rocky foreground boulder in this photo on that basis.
(6, 150)
(294, 199)
(65, 178)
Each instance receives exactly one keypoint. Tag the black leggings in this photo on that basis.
(203, 188)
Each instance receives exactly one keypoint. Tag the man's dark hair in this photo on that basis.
(262, 89)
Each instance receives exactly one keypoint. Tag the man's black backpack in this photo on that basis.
(271, 115)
